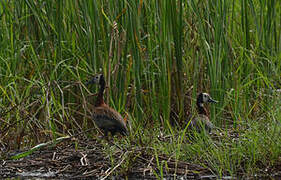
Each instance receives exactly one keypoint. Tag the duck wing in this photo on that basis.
(202, 121)
(108, 119)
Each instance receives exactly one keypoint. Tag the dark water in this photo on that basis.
(54, 176)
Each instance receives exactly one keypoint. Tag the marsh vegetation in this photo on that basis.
(156, 57)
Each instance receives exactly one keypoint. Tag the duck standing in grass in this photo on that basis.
(202, 121)
(106, 118)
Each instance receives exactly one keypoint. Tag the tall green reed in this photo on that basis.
(150, 52)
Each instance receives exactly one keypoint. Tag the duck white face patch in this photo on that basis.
(97, 78)
(206, 98)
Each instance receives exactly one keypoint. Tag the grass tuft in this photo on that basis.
(156, 57)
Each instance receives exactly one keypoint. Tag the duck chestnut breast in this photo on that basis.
(106, 118)
(202, 120)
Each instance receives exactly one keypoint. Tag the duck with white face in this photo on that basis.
(96, 79)
(106, 118)
(202, 121)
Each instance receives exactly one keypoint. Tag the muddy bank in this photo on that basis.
(82, 158)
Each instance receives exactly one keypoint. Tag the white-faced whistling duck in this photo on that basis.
(202, 120)
(106, 118)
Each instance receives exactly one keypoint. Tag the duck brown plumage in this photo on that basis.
(106, 118)
(202, 120)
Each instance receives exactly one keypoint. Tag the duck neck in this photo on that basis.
(201, 109)
(99, 100)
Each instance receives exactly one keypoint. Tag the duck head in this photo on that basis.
(97, 79)
(204, 98)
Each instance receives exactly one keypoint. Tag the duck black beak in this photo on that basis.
(212, 101)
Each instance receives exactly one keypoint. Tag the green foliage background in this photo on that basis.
(156, 56)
